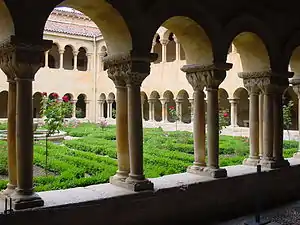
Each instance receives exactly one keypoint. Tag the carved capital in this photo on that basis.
(126, 69)
(101, 101)
(75, 53)
(266, 81)
(20, 59)
(209, 76)
(164, 41)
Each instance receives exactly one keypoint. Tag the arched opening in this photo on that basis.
(171, 49)
(68, 58)
(112, 107)
(170, 103)
(184, 106)
(103, 106)
(145, 106)
(3, 104)
(81, 106)
(70, 99)
(290, 96)
(223, 99)
(82, 60)
(157, 49)
(157, 107)
(53, 95)
(37, 105)
(242, 97)
(53, 57)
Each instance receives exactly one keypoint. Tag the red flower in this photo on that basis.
(225, 115)
(172, 108)
(44, 94)
(54, 95)
(65, 98)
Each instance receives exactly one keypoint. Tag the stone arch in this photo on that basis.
(145, 105)
(290, 95)
(82, 59)
(68, 62)
(54, 57)
(253, 40)
(183, 99)
(170, 102)
(223, 99)
(193, 38)
(242, 96)
(111, 23)
(81, 106)
(171, 48)
(6, 22)
(294, 63)
(154, 96)
(291, 55)
(37, 104)
(103, 99)
(3, 104)
(53, 95)
(157, 48)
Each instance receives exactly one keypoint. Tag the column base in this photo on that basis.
(274, 164)
(26, 201)
(133, 184)
(208, 171)
(9, 190)
(118, 178)
(251, 162)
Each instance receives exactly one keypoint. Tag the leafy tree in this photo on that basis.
(174, 114)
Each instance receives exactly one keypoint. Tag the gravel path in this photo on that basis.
(37, 171)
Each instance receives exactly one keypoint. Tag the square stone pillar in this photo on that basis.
(210, 77)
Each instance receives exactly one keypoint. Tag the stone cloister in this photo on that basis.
(206, 32)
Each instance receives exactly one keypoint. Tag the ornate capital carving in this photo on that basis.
(265, 81)
(75, 53)
(19, 59)
(209, 76)
(127, 69)
(164, 41)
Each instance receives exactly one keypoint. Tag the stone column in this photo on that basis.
(11, 138)
(191, 100)
(101, 55)
(164, 109)
(151, 109)
(101, 109)
(116, 74)
(210, 77)
(61, 60)
(261, 113)
(233, 112)
(164, 44)
(253, 90)
(74, 109)
(75, 54)
(142, 108)
(134, 70)
(177, 48)
(47, 59)
(179, 109)
(87, 109)
(22, 60)
(109, 108)
(89, 63)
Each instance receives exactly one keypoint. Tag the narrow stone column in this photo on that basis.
(192, 101)
(151, 110)
(179, 109)
(47, 59)
(89, 63)
(177, 48)
(74, 109)
(253, 91)
(101, 108)
(296, 87)
(142, 108)
(22, 60)
(121, 122)
(126, 65)
(87, 109)
(164, 109)
(210, 77)
(75, 54)
(61, 60)
(11, 138)
(109, 108)
(233, 112)
(164, 44)
(261, 113)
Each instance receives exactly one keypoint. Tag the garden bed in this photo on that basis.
(91, 159)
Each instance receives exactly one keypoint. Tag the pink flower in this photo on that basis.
(171, 107)
(225, 115)
(44, 94)
(54, 95)
(65, 98)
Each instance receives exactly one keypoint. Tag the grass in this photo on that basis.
(92, 158)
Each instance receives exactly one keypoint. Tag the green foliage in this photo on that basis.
(287, 115)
